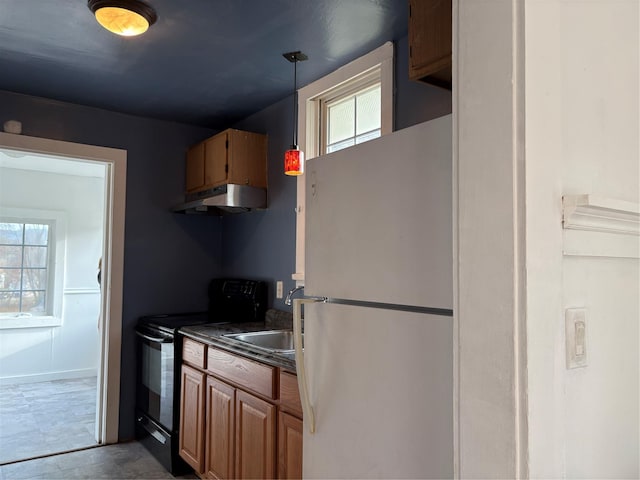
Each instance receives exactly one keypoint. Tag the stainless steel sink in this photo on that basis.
(272, 340)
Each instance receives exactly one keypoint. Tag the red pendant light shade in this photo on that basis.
(294, 161)
(294, 157)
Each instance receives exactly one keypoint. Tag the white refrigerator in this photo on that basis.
(377, 355)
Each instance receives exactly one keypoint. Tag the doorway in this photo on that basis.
(64, 334)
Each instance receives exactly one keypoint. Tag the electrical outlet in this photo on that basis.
(279, 289)
(576, 337)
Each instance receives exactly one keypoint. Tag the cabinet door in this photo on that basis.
(220, 429)
(192, 417)
(216, 160)
(194, 175)
(430, 41)
(247, 158)
(255, 437)
(289, 446)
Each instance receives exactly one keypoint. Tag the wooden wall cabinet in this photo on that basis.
(430, 41)
(240, 418)
(232, 156)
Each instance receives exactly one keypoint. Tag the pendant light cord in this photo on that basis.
(295, 104)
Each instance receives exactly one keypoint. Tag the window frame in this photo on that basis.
(309, 126)
(55, 277)
(362, 86)
(49, 264)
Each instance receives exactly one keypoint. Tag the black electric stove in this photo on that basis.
(159, 359)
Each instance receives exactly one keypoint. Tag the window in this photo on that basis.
(25, 268)
(351, 117)
(32, 259)
(349, 106)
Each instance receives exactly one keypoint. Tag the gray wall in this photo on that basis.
(262, 244)
(170, 258)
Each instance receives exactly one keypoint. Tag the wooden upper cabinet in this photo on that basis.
(195, 168)
(248, 158)
(215, 160)
(430, 41)
(232, 156)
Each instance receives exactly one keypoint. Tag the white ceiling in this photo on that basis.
(47, 163)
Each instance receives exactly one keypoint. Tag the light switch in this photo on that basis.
(576, 337)
(279, 289)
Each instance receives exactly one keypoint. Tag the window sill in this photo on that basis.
(29, 322)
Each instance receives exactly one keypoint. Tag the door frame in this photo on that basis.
(115, 160)
(489, 250)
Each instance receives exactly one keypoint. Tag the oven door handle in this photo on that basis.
(155, 339)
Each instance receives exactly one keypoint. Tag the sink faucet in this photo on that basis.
(287, 301)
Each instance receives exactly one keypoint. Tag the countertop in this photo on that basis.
(212, 334)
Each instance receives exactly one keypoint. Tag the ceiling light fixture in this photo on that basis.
(123, 17)
(294, 157)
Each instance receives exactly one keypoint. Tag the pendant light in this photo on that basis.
(123, 17)
(294, 157)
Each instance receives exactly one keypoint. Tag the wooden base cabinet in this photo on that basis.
(240, 435)
(289, 428)
(192, 411)
(255, 437)
(289, 446)
(220, 431)
(227, 432)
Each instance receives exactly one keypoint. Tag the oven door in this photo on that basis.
(156, 352)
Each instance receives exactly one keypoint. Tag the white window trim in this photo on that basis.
(56, 277)
(308, 128)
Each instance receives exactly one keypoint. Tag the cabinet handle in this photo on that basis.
(162, 339)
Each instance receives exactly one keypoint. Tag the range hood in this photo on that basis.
(230, 198)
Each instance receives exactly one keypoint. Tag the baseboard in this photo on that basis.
(47, 377)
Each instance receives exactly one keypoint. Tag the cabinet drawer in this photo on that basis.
(289, 394)
(193, 353)
(246, 373)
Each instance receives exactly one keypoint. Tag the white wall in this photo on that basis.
(69, 350)
(582, 134)
(545, 104)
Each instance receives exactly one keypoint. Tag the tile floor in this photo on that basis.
(49, 417)
(121, 461)
(46, 417)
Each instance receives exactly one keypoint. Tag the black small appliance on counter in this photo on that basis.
(159, 359)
